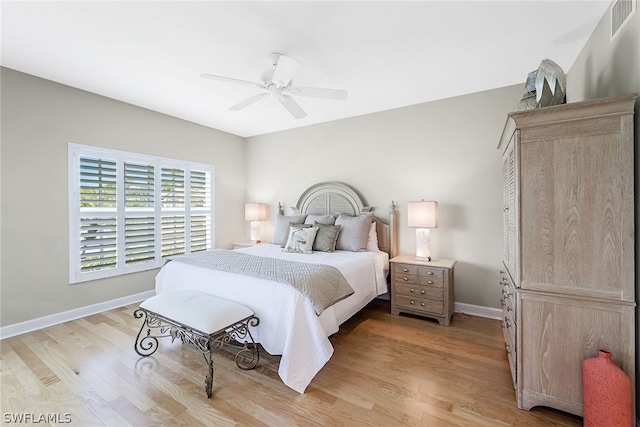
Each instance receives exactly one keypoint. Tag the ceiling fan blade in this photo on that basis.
(242, 104)
(230, 80)
(291, 105)
(317, 92)
(285, 69)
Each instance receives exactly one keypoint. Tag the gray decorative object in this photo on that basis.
(545, 86)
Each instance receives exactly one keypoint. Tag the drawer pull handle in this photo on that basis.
(430, 273)
(411, 302)
(422, 304)
(405, 279)
(405, 270)
(412, 290)
(430, 282)
(422, 291)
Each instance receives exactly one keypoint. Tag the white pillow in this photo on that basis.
(354, 232)
(300, 239)
(282, 227)
(372, 239)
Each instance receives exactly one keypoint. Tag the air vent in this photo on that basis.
(621, 12)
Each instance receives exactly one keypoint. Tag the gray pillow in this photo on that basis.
(326, 237)
(353, 233)
(281, 229)
(320, 218)
(291, 224)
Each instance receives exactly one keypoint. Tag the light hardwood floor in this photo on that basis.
(386, 371)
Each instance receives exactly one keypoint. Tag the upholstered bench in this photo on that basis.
(205, 321)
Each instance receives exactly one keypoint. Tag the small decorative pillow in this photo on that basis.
(354, 232)
(326, 237)
(372, 239)
(286, 236)
(282, 227)
(327, 219)
(300, 239)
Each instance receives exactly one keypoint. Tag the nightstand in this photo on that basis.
(424, 288)
(240, 245)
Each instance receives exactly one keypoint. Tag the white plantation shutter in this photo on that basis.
(97, 226)
(139, 186)
(172, 188)
(173, 200)
(127, 211)
(173, 235)
(200, 232)
(97, 182)
(139, 221)
(139, 239)
(97, 243)
(201, 207)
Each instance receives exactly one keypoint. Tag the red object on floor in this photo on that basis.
(606, 393)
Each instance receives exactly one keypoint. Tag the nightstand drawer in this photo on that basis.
(409, 279)
(406, 269)
(431, 281)
(427, 273)
(430, 293)
(419, 304)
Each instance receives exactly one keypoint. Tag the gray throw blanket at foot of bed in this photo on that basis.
(324, 285)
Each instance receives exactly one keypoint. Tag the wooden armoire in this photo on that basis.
(568, 283)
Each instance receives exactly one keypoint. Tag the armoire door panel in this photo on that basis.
(571, 213)
(561, 333)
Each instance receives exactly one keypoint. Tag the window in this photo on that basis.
(128, 211)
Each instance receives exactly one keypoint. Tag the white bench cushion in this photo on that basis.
(203, 312)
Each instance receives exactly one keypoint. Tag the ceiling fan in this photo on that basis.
(278, 84)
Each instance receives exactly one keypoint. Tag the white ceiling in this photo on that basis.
(385, 54)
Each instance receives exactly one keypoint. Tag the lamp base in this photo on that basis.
(423, 251)
(255, 231)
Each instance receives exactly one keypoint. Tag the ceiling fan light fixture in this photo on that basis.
(278, 83)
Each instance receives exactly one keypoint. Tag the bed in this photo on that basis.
(290, 325)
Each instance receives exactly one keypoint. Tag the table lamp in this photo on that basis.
(423, 216)
(255, 212)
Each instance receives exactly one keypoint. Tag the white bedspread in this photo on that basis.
(288, 325)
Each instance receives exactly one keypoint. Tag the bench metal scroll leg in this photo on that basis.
(208, 382)
(146, 345)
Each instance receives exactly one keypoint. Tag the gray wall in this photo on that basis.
(444, 150)
(39, 119)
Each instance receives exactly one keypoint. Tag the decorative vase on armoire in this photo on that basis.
(606, 393)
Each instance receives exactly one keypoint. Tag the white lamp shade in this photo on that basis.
(255, 212)
(423, 214)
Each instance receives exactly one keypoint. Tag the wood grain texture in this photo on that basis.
(386, 370)
(561, 333)
(576, 195)
(574, 248)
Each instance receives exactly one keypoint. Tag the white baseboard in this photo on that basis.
(55, 319)
(66, 316)
(478, 310)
